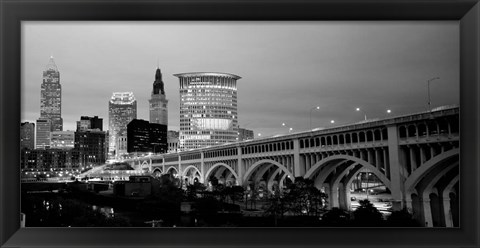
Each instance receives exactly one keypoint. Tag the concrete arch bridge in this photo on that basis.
(415, 156)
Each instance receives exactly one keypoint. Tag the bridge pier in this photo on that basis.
(395, 168)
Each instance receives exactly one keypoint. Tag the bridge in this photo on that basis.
(415, 156)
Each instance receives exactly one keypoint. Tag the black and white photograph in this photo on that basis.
(233, 124)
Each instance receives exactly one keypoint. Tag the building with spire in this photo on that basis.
(208, 109)
(122, 109)
(51, 96)
(158, 103)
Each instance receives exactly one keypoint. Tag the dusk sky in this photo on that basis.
(287, 68)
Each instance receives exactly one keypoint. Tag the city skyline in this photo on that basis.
(287, 68)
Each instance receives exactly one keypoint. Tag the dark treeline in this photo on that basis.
(298, 204)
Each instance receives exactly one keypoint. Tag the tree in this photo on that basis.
(401, 218)
(367, 215)
(304, 198)
(276, 207)
(235, 193)
(193, 190)
(219, 192)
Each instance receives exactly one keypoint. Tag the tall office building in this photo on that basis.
(51, 97)
(43, 133)
(208, 109)
(158, 102)
(145, 137)
(122, 108)
(27, 135)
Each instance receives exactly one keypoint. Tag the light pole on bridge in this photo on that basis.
(317, 108)
(365, 114)
(290, 129)
(428, 90)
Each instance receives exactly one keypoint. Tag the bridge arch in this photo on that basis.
(254, 166)
(157, 172)
(424, 169)
(317, 166)
(216, 166)
(189, 168)
(170, 169)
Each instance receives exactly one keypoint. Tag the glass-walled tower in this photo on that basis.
(208, 109)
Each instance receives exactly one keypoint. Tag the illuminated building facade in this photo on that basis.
(51, 97)
(158, 103)
(121, 110)
(43, 133)
(27, 135)
(208, 109)
(62, 139)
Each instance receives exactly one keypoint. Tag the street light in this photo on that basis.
(428, 89)
(317, 108)
(289, 129)
(358, 110)
(332, 121)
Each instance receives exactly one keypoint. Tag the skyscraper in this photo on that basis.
(27, 135)
(208, 109)
(158, 102)
(122, 108)
(51, 96)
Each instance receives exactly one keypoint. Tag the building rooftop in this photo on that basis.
(122, 98)
(200, 74)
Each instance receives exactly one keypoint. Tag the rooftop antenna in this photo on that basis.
(158, 64)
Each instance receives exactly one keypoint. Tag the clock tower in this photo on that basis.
(158, 103)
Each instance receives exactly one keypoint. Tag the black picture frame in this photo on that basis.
(467, 12)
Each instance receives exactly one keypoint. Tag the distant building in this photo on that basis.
(158, 102)
(173, 141)
(122, 146)
(208, 109)
(145, 137)
(48, 159)
(122, 109)
(87, 122)
(245, 134)
(51, 97)
(43, 133)
(91, 148)
(27, 135)
(62, 139)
